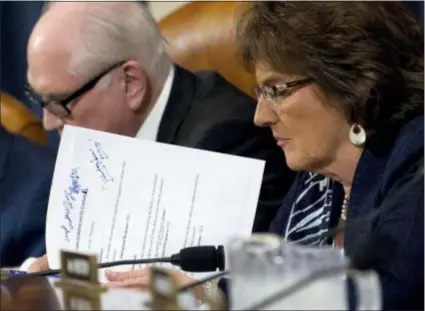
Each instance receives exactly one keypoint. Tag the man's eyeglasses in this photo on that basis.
(60, 108)
(272, 92)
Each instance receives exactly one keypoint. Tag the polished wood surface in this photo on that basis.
(201, 36)
(28, 293)
(38, 293)
(18, 119)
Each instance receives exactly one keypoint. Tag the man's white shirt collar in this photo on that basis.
(150, 127)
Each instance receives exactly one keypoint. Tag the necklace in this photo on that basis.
(344, 209)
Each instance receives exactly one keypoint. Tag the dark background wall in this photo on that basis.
(16, 21)
(417, 7)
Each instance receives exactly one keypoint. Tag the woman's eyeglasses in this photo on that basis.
(272, 92)
(60, 108)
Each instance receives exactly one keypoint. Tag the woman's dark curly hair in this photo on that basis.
(369, 54)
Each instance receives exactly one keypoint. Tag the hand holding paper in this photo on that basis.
(124, 198)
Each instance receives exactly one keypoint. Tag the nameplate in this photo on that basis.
(79, 267)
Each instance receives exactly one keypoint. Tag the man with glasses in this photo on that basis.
(103, 66)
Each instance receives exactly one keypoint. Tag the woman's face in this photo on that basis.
(307, 124)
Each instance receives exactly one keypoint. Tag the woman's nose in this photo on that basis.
(264, 114)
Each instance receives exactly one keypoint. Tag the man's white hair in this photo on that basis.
(114, 32)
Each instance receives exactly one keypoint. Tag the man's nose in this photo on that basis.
(264, 114)
(51, 122)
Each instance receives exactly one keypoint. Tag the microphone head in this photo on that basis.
(221, 262)
(202, 258)
(373, 251)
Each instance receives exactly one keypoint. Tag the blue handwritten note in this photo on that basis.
(99, 158)
(71, 194)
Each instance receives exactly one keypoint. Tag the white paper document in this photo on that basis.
(123, 198)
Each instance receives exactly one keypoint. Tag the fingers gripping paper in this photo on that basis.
(124, 198)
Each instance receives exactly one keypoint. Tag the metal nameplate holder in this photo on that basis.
(163, 290)
(79, 284)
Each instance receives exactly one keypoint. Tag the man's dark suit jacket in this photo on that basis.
(205, 111)
(25, 176)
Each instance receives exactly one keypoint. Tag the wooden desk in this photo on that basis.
(28, 293)
(38, 293)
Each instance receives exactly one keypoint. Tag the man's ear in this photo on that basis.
(136, 85)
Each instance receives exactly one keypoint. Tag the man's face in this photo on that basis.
(101, 107)
(112, 104)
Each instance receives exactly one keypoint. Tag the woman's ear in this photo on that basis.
(136, 85)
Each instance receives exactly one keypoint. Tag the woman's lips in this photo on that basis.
(281, 141)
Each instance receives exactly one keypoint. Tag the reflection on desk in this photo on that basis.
(28, 293)
(40, 293)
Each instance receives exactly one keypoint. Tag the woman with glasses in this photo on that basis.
(341, 88)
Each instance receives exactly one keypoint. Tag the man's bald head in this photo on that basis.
(93, 35)
(56, 38)
(73, 42)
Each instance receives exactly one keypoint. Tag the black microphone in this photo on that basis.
(200, 259)
(189, 259)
